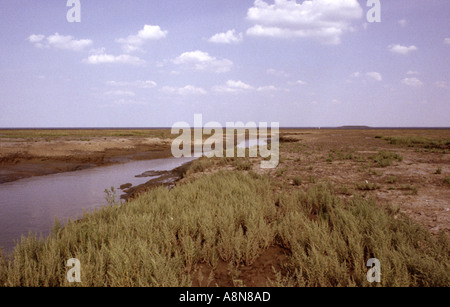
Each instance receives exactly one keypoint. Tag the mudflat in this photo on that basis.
(27, 153)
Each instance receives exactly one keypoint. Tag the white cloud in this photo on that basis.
(412, 72)
(403, 22)
(355, 74)
(184, 91)
(233, 86)
(113, 59)
(324, 20)
(125, 102)
(374, 75)
(36, 38)
(135, 42)
(121, 93)
(238, 84)
(229, 37)
(278, 73)
(267, 88)
(138, 84)
(58, 41)
(300, 82)
(442, 84)
(200, 60)
(399, 49)
(447, 41)
(412, 82)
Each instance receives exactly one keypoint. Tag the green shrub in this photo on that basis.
(385, 158)
(447, 180)
(297, 181)
(367, 186)
(391, 179)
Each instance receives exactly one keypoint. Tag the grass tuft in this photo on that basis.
(162, 237)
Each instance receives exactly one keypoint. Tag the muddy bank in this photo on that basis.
(167, 178)
(26, 160)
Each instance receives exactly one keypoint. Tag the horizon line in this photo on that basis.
(348, 127)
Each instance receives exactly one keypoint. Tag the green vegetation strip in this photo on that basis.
(442, 145)
(161, 237)
(84, 133)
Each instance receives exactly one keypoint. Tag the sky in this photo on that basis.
(148, 63)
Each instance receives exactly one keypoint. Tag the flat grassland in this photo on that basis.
(337, 199)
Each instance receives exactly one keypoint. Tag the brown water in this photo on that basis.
(31, 205)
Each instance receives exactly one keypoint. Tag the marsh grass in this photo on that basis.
(391, 179)
(297, 180)
(441, 145)
(331, 240)
(409, 188)
(446, 180)
(84, 134)
(367, 186)
(161, 237)
(385, 158)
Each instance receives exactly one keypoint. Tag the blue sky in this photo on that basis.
(145, 63)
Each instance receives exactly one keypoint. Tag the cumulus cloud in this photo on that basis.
(184, 91)
(267, 88)
(138, 84)
(323, 20)
(374, 75)
(120, 93)
(229, 37)
(96, 59)
(238, 84)
(233, 86)
(135, 42)
(200, 60)
(447, 41)
(399, 49)
(414, 82)
(57, 41)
